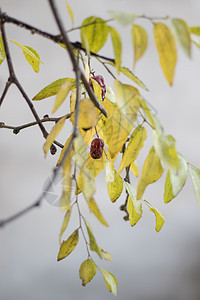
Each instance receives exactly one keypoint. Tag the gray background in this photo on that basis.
(148, 265)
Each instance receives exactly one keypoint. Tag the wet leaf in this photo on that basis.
(63, 92)
(115, 187)
(87, 271)
(195, 175)
(117, 47)
(133, 215)
(166, 48)
(69, 245)
(110, 281)
(136, 142)
(53, 134)
(96, 211)
(96, 33)
(182, 33)
(123, 18)
(140, 41)
(151, 172)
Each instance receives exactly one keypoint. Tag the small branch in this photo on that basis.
(88, 24)
(8, 83)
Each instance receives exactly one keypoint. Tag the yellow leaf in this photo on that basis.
(93, 244)
(106, 255)
(95, 210)
(195, 30)
(87, 271)
(175, 180)
(117, 47)
(182, 33)
(114, 129)
(140, 41)
(147, 112)
(88, 135)
(67, 184)
(128, 100)
(133, 77)
(136, 203)
(2, 51)
(69, 245)
(135, 144)
(70, 13)
(97, 89)
(64, 150)
(195, 175)
(110, 175)
(166, 48)
(35, 64)
(88, 183)
(151, 172)
(133, 215)
(65, 223)
(53, 134)
(95, 31)
(159, 218)
(80, 150)
(87, 114)
(134, 168)
(63, 92)
(115, 188)
(110, 281)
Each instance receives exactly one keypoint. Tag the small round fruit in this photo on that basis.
(96, 148)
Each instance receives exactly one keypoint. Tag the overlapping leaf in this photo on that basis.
(134, 168)
(140, 41)
(87, 271)
(117, 46)
(136, 142)
(110, 281)
(69, 245)
(136, 202)
(182, 32)
(166, 48)
(134, 217)
(63, 92)
(151, 172)
(147, 112)
(115, 187)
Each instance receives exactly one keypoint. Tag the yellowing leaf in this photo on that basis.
(159, 218)
(134, 168)
(70, 13)
(133, 77)
(53, 134)
(133, 215)
(2, 51)
(140, 41)
(97, 89)
(115, 188)
(106, 255)
(110, 175)
(87, 271)
(64, 150)
(95, 31)
(88, 183)
(196, 41)
(63, 92)
(110, 281)
(67, 184)
(147, 112)
(35, 64)
(136, 203)
(135, 144)
(110, 95)
(128, 100)
(80, 150)
(51, 89)
(195, 30)
(151, 172)
(95, 210)
(65, 223)
(117, 47)
(69, 245)
(114, 129)
(93, 244)
(195, 175)
(166, 48)
(182, 32)
(175, 180)
(87, 114)
(88, 135)
(124, 18)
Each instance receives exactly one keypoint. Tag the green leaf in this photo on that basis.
(65, 223)
(93, 244)
(70, 12)
(95, 210)
(136, 142)
(87, 271)
(175, 180)
(117, 47)
(133, 77)
(195, 175)
(128, 100)
(2, 51)
(115, 187)
(182, 33)
(136, 203)
(53, 134)
(151, 172)
(35, 64)
(133, 215)
(63, 92)
(140, 41)
(52, 89)
(110, 281)
(159, 218)
(69, 245)
(195, 30)
(95, 31)
(123, 18)
(166, 48)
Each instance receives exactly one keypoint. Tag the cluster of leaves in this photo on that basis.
(125, 108)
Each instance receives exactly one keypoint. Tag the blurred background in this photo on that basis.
(147, 264)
